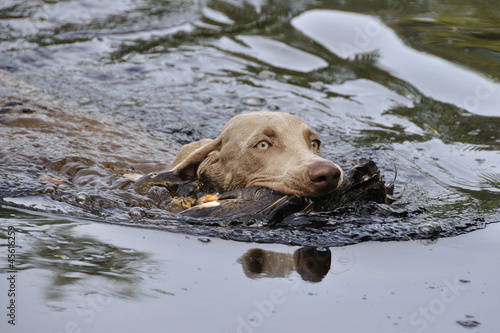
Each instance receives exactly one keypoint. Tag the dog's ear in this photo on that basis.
(191, 155)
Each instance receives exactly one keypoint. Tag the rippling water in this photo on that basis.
(407, 84)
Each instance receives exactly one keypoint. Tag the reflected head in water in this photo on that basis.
(311, 263)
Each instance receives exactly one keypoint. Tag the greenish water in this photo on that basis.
(411, 85)
(408, 84)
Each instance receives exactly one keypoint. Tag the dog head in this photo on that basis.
(269, 149)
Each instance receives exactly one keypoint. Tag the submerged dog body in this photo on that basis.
(264, 166)
(267, 149)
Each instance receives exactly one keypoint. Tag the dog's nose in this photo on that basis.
(325, 176)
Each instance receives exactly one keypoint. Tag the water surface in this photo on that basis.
(125, 83)
(376, 82)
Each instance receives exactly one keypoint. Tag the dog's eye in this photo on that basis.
(263, 145)
(315, 144)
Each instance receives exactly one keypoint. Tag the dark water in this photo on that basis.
(408, 84)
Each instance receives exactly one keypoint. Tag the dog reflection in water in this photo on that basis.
(311, 263)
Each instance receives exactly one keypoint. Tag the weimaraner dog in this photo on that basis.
(269, 149)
